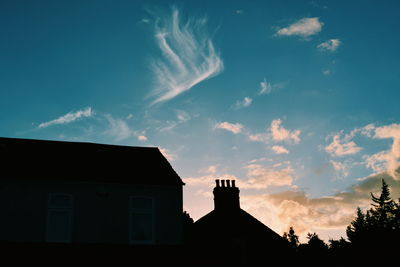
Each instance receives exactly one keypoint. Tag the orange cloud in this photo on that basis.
(329, 215)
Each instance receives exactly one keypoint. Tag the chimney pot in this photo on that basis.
(217, 183)
(226, 197)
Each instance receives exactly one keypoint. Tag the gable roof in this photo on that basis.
(219, 225)
(80, 161)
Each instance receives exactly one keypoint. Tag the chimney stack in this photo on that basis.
(226, 198)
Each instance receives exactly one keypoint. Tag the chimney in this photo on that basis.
(226, 198)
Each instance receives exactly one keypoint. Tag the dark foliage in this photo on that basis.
(372, 237)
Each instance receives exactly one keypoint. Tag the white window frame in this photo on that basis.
(133, 211)
(66, 209)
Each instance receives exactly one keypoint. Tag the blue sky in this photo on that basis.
(297, 100)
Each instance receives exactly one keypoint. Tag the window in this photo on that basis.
(59, 218)
(141, 226)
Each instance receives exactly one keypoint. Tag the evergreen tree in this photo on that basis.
(383, 211)
(374, 232)
(357, 228)
(396, 216)
(339, 252)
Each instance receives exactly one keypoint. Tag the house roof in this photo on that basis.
(228, 223)
(80, 161)
(219, 225)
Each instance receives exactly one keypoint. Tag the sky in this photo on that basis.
(295, 100)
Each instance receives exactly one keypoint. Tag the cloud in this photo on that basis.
(144, 21)
(326, 72)
(258, 176)
(386, 160)
(330, 45)
(265, 87)
(342, 147)
(317, 5)
(170, 125)
(382, 161)
(280, 150)
(327, 214)
(341, 168)
(243, 103)
(167, 154)
(260, 137)
(182, 116)
(232, 127)
(305, 27)
(207, 180)
(276, 132)
(118, 128)
(262, 177)
(69, 117)
(281, 134)
(142, 138)
(212, 169)
(188, 56)
(377, 161)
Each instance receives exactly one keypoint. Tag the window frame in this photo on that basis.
(133, 211)
(67, 209)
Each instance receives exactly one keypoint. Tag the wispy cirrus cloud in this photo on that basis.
(181, 118)
(118, 128)
(231, 127)
(245, 102)
(304, 27)
(188, 56)
(326, 72)
(265, 87)
(330, 45)
(69, 117)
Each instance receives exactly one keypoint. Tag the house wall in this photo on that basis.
(100, 213)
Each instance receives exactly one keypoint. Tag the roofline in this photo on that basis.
(76, 142)
(98, 145)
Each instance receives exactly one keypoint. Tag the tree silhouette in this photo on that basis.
(187, 223)
(383, 211)
(314, 252)
(316, 243)
(357, 229)
(372, 233)
(292, 238)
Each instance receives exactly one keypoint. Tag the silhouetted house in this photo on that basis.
(229, 236)
(86, 193)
